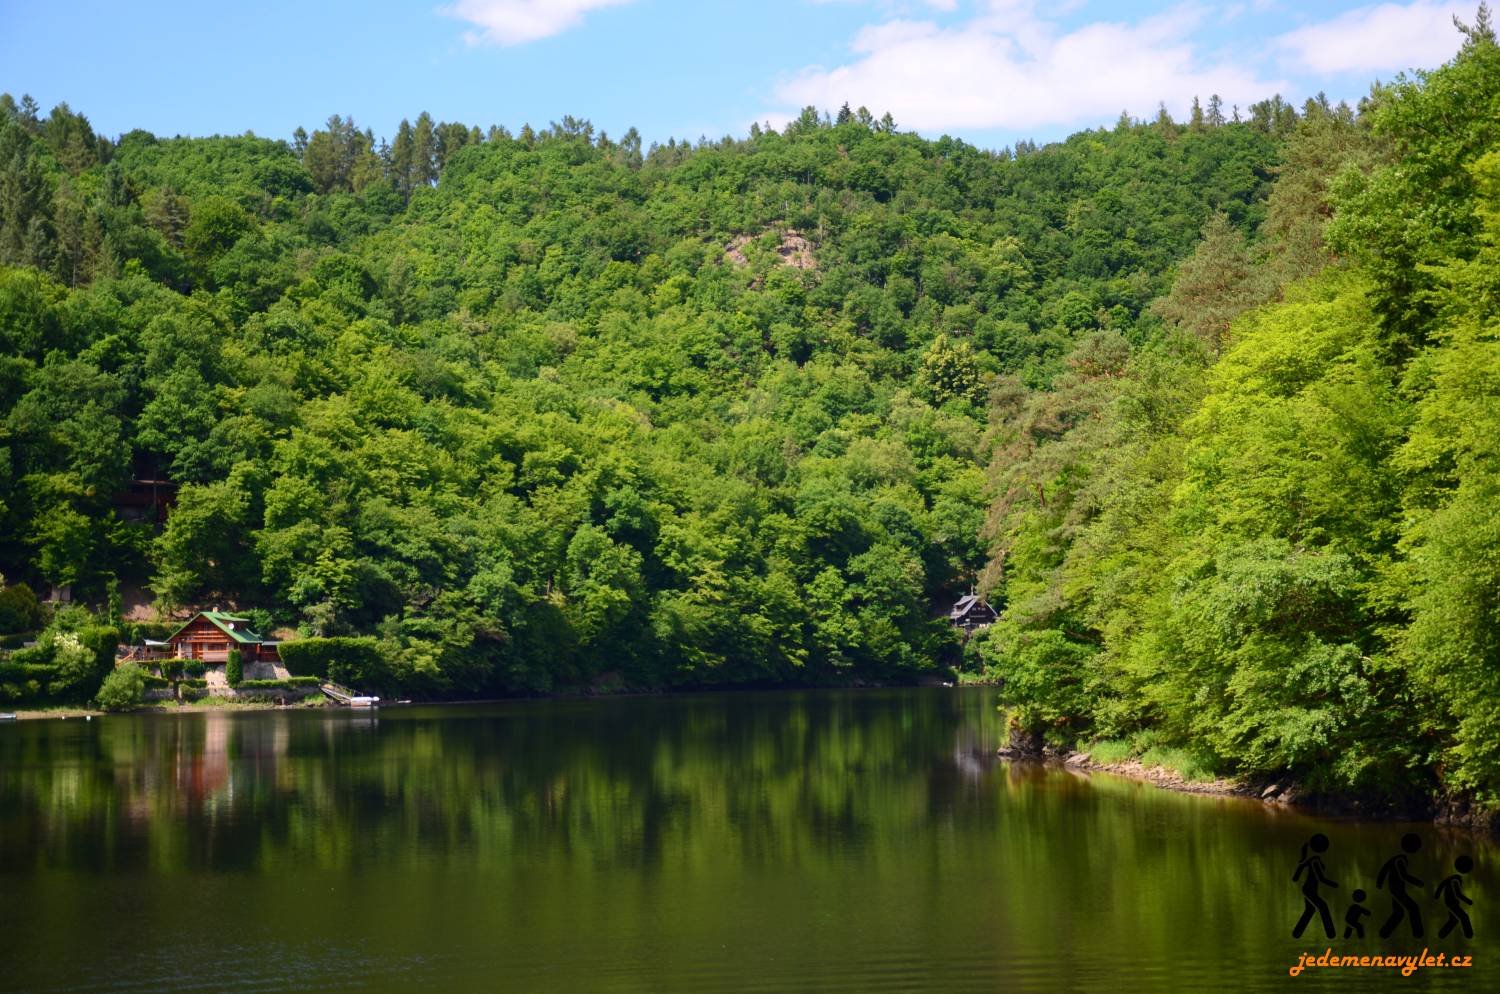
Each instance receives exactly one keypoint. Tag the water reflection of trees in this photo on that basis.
(629, 818)
(764, 777)
(903, 785)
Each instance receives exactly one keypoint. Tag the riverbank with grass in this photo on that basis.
(176, 707)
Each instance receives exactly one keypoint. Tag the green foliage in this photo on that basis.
(542, 411)
(134, 632)
(353, 661)
(487, 413)
(20, 611)
(122, 689)
(949, 372)
(68, 663)
(1283, 561)
(292, 683)
(19, 672)
(1214, 285)
(234, 668)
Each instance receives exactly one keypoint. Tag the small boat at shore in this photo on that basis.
(7, 716)
(348, 698)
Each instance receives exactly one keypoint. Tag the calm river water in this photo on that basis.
(838, 841)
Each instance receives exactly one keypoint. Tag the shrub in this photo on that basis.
(260, 620)
(194, 668)
(152, 680)
(171, 668)
(289, 684)
(24, 671)
(37, 655)
(25, 690)
(101, 641)
(20, 611)
(76, 661)
(355, 661)
(122, 689)
(234, 670)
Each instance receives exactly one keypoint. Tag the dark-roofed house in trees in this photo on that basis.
(971, 613)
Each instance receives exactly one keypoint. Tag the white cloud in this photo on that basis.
(516, 22)
(1010, 67)
(1379, 38)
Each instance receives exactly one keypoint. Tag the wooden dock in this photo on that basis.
(348, 698)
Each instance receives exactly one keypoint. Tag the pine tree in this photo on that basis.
(451, 136)
(29, 114)
(322, 158)
(77, 236)
(71, 139)
(26, 229)
(167, 212)
(1215, 111)
(1163, 121)
(365, 166)
(1481, 32)
(1214, 285)
(424, 152)
(403, 155)
(630, 144)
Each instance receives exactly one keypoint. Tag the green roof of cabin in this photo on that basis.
(223, 621)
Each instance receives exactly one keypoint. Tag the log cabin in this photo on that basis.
(209, 635)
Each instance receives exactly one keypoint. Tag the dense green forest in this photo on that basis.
(1207, 407)
(1269, 536)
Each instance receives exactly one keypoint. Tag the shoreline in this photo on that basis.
(1170, 779)
(1448, 813)
(575, 694)
(1284, 793)
(61, 714)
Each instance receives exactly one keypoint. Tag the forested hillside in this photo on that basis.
(1209, 408)
(1268, 538)
(543, 409)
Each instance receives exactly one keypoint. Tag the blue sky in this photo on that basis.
(988, 71)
